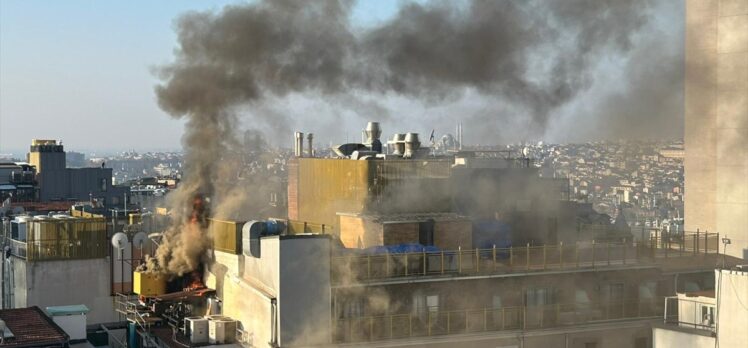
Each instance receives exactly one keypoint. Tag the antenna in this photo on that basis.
(119, 240)
(139, 239)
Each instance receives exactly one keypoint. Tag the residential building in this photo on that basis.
(54, 261)
(59, 183)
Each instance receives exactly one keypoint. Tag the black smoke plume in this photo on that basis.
(530, 56)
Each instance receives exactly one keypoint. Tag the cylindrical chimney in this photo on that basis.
(398, 142)
(412, 144)
(373, 132)
(299, 144)
(310, 150)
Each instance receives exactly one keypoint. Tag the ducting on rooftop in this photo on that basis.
(299, 144)
(373, 132)
(412, 144)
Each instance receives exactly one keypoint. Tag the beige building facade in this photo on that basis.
(716, 120)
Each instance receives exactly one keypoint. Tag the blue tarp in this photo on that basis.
(488, 233)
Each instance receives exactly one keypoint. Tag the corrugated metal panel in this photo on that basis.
(293, 189)
(54, 239)
(328, 186)
(297, 227)
(227, 235)
(411, 186)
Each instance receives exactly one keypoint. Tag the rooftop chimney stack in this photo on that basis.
(309, 138)
(412, 144)
(373, 132)
(398, 142)
(299, 144)
(459, 136)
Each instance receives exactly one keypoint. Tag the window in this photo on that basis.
(426, 232)
(615, 293)
(582, 299)
(352, 308)
(424, 306)
(496, 301)
(707, 315)
(538, 297)
(496, 304)
(432, 303)
(103, 185)
(647, 290)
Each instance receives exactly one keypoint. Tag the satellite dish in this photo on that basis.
(139, 239)
(525, 151)
(119, 240)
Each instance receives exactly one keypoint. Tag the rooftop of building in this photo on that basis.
(30, 327)
(703, 293)
(409, 217)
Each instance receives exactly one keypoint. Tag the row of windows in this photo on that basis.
(424, 302)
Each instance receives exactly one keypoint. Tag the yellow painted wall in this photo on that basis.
(325, 187)
(329, 186)
(357, 232)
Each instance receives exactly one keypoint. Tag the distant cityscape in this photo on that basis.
(644, 180)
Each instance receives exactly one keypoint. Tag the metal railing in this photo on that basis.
(59, 249)
(690, 313)
(488, 261)
(511, 260)
(127, 306)
(433, 322)
(298, 227)
(684, 243)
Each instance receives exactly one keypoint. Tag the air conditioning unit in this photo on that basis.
(221, 330)
(196, 328)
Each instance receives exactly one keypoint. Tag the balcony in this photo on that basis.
(50, 250)
(68, 239)
(448, 322)
(523, 259)
(691, 310)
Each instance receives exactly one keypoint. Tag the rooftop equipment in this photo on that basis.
(310, 151)
(398, 144)
(253, 230)
(346, 150)
(299, 144)
(139, 240)
(373, 132)
(412, 144)
(71, 319)
(148, 284)
(196, 328)
(221, 330)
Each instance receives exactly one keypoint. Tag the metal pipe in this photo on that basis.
(299, 144)
(310, 150)
(412, 144)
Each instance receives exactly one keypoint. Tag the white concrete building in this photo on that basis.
(706, 320)
(57, 262)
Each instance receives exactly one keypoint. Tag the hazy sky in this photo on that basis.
(81, 71)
